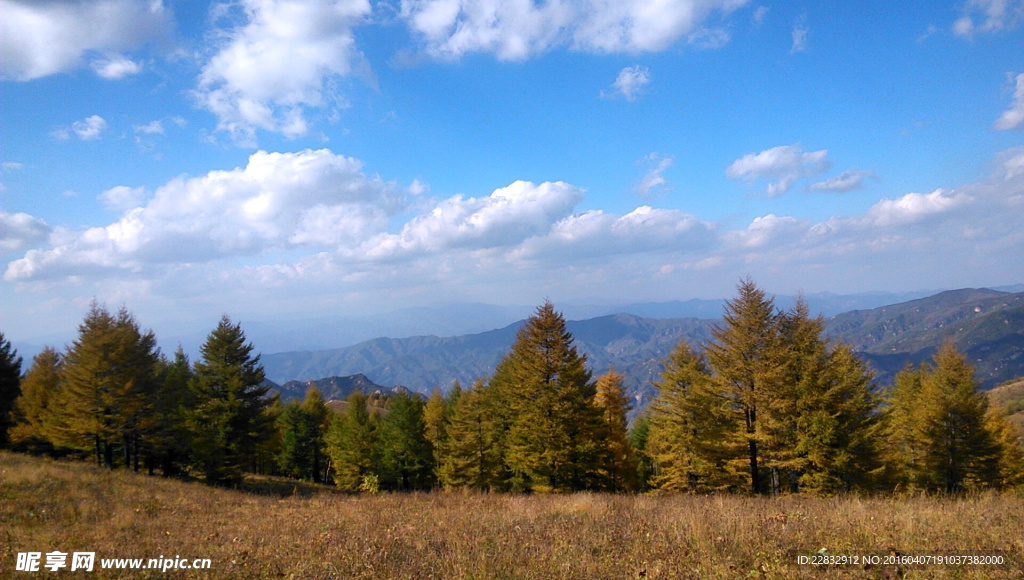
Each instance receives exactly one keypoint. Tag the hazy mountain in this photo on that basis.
(987, 325)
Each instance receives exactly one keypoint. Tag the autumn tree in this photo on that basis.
(228, 419)
(619, 465)
(436, 415)
(470, 454)
(107, 376)
(695, 431)
(552, 421)
(32, 430)
(10, 378)
(744, 358)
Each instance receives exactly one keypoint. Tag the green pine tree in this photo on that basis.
(10, 379)
(406, 456)
(228, 420)
(352, 444)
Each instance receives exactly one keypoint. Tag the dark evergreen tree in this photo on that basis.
(168, 442)
(229, 419)
(406, 456)
(303, 428)
(10, 379)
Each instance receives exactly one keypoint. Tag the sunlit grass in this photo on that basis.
(279, 529)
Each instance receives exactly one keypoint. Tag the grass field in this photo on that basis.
(277, 529)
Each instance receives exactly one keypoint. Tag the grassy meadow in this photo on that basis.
(276, 528)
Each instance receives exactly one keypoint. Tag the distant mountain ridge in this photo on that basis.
(988, 325)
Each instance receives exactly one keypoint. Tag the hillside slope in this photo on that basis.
(987, 325)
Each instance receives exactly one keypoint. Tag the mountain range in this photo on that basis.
(987, 325)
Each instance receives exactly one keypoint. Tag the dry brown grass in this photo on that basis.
(318, 533)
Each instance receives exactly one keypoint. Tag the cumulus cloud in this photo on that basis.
(598, 234)
(152, 128)
(277, 201)
(278, 57)
(846, 181)
(505, 218)
(518, 30)
(38, 39)
(988, 16)
(18, 230)
(1013, 118)
(783, 166)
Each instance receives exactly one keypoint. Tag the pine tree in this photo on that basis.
(406, 456)
(819, 423)
(470, 456)
(436, 415)
(32, 410)
(620, 466)
(10, 378)
(352, 444)
(1008, 467)
(959, 451)
(228, 420)
(168, 441)
(302, 428)
(694, 428)
(639, 437)
(553, 423)
(939, 435)
(108, 376)
(744, 358)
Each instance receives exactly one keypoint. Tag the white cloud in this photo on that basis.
(521, 29)
(87, 129)
(914, 207)
(799, 38)
(152, 128)
(653, 181)
(20, 229)
(38, 39)
(988, 16)
(598, 234)
(122, 198)
(279, 59)
(505, 218)
(630, 82)
(277, 201)
(784, 165)
(116, 67)
(846, 181)
(1013, 118)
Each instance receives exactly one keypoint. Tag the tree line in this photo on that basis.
(767, 407)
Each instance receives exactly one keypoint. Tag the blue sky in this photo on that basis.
(288, 158)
